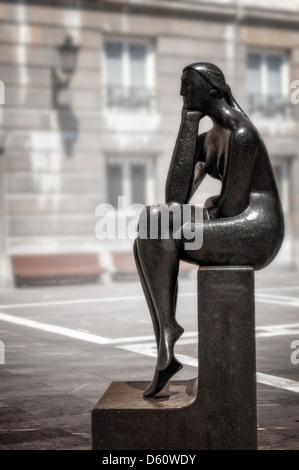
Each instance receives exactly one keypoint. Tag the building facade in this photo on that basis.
(92, 108)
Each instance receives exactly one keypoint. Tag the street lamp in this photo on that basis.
(67, 57)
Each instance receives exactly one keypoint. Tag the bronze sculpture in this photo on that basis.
(243, 225)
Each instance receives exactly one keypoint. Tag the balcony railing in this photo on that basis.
(131, 98)
(269, 105)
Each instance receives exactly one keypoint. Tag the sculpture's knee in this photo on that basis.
(144, 222)
(160, 221)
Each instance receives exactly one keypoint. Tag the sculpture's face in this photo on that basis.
(195, 91)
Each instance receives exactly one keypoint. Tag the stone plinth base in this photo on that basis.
(217, 411)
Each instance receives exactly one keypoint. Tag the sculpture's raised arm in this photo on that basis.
(183, 170)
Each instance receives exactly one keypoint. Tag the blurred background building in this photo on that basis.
(92, 109)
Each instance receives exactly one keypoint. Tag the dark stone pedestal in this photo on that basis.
(217, 411)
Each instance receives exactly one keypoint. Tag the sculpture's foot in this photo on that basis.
(162, 377)
(168, 338)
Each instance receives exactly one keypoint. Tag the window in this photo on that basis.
(130, 178)
(138, 183)
(129, 74)
(268, 83)
(282, 173)
(114, 183)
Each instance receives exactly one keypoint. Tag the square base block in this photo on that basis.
(217, 410)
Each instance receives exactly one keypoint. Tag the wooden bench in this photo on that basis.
(45, 268)
(125, 267)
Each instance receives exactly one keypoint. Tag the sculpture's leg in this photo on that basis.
(148, 297)
(147, 294)
(160, 283)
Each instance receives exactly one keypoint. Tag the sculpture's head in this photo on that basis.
(202, 83)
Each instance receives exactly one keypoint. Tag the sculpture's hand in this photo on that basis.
(192, 113)
(179, 183)
(212, 205)
(213, 213)
(199, 171)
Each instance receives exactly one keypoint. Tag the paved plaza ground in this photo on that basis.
(64, 344)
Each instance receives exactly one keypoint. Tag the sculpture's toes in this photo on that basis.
(162, 377)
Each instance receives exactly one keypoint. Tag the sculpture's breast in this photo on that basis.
(217, 152)
(213, 165)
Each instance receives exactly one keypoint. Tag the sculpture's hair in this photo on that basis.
(215, 78)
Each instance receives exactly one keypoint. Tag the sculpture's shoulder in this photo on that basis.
(245, 132)
(247, 143)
